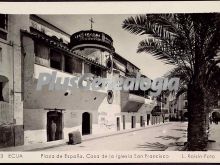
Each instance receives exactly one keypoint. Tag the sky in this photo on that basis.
(124, 42)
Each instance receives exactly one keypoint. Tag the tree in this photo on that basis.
(190, 42)
(211, 91)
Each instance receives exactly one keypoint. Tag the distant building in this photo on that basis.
(178, 107)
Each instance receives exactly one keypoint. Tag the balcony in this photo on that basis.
(133, 103)
(135, 98)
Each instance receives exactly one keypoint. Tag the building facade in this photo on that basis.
(34, 46)
(11, 96)
(178, 106)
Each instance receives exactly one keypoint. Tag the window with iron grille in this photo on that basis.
(42, 54)
(3, 26)
(55, 60)
(3, 21)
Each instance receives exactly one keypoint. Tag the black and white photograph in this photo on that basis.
(110, 82)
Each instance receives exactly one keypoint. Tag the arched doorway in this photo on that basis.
(86, 123)
(54, 125)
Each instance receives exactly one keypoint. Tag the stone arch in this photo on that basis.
(86, 123)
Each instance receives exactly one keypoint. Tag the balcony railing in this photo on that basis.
(97, 71)
(6, 114)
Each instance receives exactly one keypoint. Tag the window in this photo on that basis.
(110, 97)
(68, 64)
(1, 89)
(186, 104)
(87, 68)
(41, 54)
(96, 70)
(185, 96)
(3, 26)
(73, 65)
(104, 74)
(77, 65)
(0, 54)
(55, 60)
(165, 100)
(3, 21)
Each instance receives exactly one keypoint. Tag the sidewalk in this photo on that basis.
(214, 135)
(179, 144)
(47, 145)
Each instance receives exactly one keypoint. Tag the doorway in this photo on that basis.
(86, 123)
(123, 118)
(118, 123)
(148, 119)
(133, 122)
(142, 121)
(54, 125)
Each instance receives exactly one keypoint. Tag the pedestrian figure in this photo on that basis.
(53, 130)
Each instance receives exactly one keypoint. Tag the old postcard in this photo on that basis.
(110, 82)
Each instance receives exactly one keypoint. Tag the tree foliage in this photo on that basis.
(189, 41)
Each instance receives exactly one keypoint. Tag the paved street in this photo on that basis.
(214, 134)
(154, 138)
